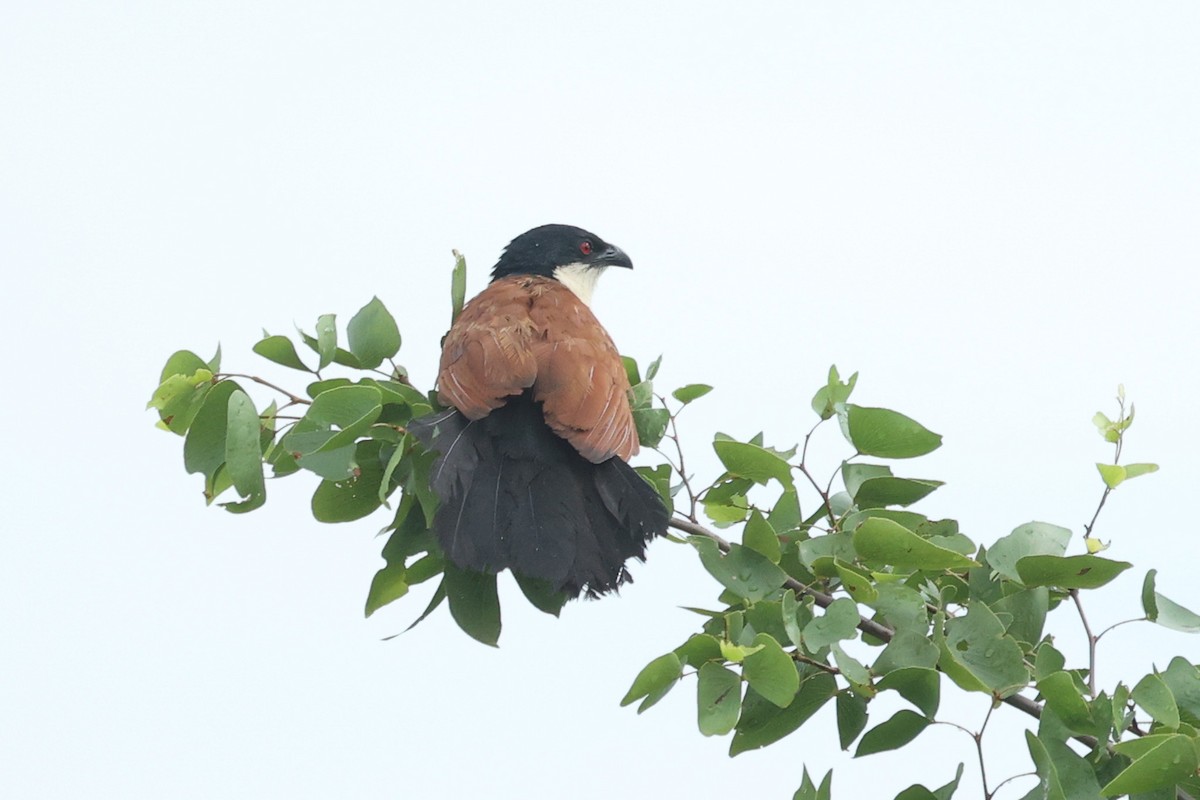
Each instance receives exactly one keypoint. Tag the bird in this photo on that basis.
(532, 468)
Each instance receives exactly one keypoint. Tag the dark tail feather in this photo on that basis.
(514, 495)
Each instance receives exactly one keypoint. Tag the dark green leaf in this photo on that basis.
(902, 728)
(1051, 787)
(978, 656)
(887, 491)
(759, 536)
(354, 497)
(887, 542)
(763, 723)
(808, 791)
(654, 681)
(887, 434)
(333, 465)
(473, 603)
(753, 462)
(243, 453)
(698, 649)
(1183, 679)
(851, 717)
(693, 391)
(1070, 572)
(1065, 696)
(204, 447)
(652, 370)
(918, 792)
(326, 339)
(920, 686)
(906, 649)
(718, 699)
(372, 335)
(631, 370)
(541, 594)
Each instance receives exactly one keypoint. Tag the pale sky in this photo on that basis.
(989, 210)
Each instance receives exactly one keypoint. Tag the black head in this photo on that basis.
(543, 250)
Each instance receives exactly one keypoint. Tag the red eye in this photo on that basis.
(585, 247)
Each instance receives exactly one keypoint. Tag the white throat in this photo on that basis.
(580, 279)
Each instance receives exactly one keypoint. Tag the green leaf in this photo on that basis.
(1051, 787)
(1030, 539)
(918, 792)
(851, 668)
(698, 649)
(751, 575)
(771, 672)
(654, 681)
(326, 339)
(718, 699)
(1154, 696)
(889, 491)
(473, 603)
(978, 656)
(833, 394)
(184, 362)
(335, 419)
(1136, 470)
(839, 622)
(851, 717)
(693, 391)
(1112, 474)
(857, 584)
(1172, 759)
(280, 350)
(759, 536)
(388, 584)
(763, 723)
(808, 791)
(372, 335)
(541, 594)
(1149, 600)
(902, 728)
(753, 462)
(651, 425)
(179, 397)
(1070, 572)
(886, 434)
(354, 497)
(243, 453)
(920, 686)
(204, 447)
(906, 649)
(333, 465)
(458, 286)
(1064, 696)
(631, 370)
(652, 370)
(1174, 616)
(886, 542)
(1183, 679)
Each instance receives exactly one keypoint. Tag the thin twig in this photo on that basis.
(292, 399)
(1091, 638)
(681, 469)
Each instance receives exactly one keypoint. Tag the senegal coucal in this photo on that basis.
(532, 471)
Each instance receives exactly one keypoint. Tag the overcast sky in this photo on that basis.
(989, 210)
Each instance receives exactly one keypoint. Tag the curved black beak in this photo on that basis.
(615, 257)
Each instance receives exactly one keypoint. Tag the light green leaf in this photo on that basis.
(1113, 474)
(1174, 616)
(851, 668)
(885, 433)
(978, 656)
(1064, 696)
(886, 542)
(1154, 696)
(372, 335)
(698, 649)
(184, 362)
(652, 370)
(902, 728)
(473, 603)
(336, 418)
(1149, 601)
(718, 699)
(458, 286)
(1070, 572)
(1183, 679)
(771, 672)
(839, 622)
(1032, 538)
(388, 584)
(281, 350)
(857, 584)
(808, 791)
(693, 391)
(833, 393)
(1172, 759)
(1136, 470)
(743, 571)
(654, 681)
(753, 462)
(326, 339)
(651, 425)
(1051, 787)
